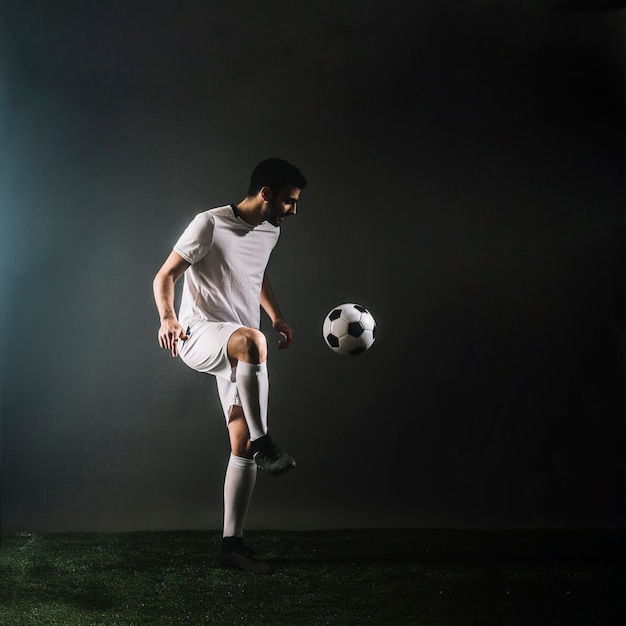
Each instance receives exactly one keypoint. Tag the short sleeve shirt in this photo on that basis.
(227, 259)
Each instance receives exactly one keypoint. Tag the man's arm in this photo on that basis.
(270, 306)
(163, 287)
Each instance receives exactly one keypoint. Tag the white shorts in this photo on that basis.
(206, 351)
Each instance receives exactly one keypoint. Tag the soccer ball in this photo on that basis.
(349, 329)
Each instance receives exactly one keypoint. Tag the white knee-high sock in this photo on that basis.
(238, 487)
(253, 387)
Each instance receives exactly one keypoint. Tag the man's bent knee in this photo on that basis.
(248, 345)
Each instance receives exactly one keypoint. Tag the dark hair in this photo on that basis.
(275, 174)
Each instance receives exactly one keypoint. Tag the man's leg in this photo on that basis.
(238, 488)
(240, 475)
(247, 352)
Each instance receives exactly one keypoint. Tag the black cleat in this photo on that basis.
(271, 458)
(235, 555)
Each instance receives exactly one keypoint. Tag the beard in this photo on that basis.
(272, 214)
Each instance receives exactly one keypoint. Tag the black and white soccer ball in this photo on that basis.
(349, 329)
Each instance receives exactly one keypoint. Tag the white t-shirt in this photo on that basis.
(228, 258)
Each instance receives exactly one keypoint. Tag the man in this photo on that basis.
(223, 254)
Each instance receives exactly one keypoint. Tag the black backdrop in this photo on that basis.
(466, 168)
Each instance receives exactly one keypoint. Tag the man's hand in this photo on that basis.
(169, 334)
(285, 330)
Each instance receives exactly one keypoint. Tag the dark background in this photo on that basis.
(466, 183)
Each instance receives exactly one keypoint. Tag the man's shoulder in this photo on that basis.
(220, 211)
(212, 217)
(226, 210)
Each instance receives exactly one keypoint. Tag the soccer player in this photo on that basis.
(223, 254)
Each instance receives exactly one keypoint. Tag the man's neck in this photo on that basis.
(250, 211)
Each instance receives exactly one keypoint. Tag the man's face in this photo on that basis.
(281, 205)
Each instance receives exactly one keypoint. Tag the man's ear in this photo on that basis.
(266, 193)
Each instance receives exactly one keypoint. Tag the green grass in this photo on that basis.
(397, 577)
